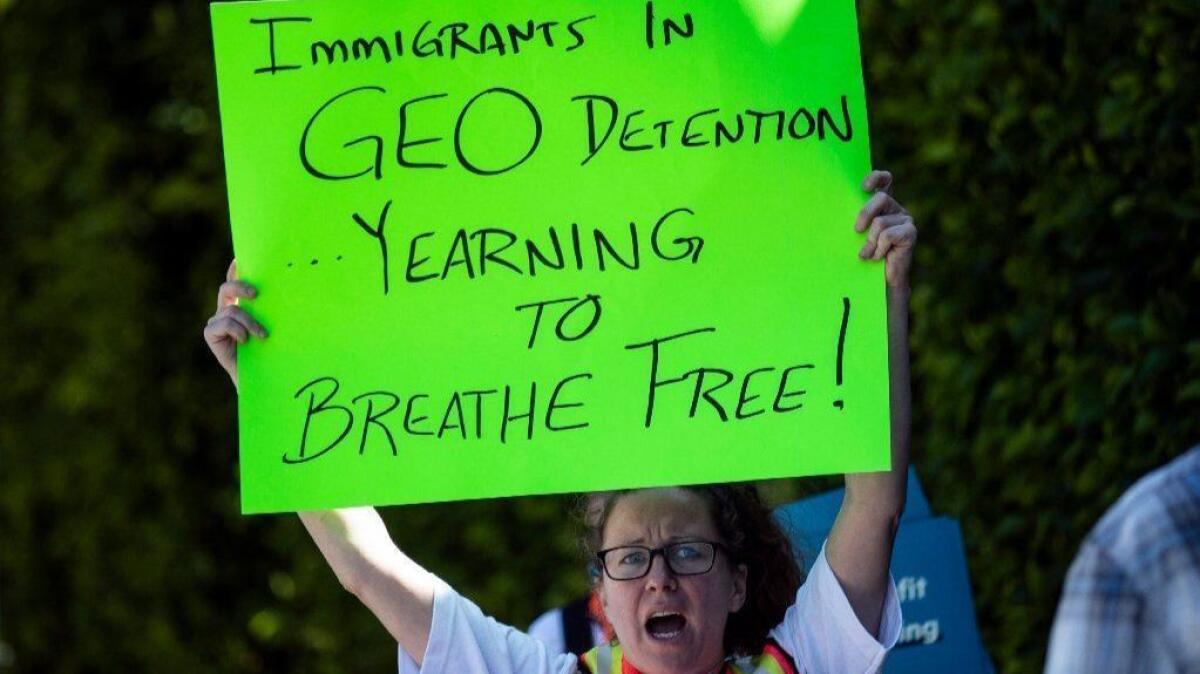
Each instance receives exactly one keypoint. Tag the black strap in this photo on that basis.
(577, 626)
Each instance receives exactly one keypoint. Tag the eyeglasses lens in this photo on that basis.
(684, 559)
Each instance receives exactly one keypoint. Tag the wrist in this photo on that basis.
(898, 300)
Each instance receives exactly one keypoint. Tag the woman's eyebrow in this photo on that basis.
(640, 540)
(677, 538)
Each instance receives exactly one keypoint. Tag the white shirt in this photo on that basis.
(548, 627)
(819, 631)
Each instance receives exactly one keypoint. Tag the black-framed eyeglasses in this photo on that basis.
(685, 558)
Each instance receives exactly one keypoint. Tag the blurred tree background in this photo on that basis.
(1049, 150)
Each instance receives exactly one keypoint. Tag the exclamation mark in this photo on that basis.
(841, 347)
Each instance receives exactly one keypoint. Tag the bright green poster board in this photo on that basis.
(413, 187)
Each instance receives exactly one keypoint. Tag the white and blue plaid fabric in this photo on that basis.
(1131, 602)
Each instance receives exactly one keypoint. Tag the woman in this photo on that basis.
(682, 581)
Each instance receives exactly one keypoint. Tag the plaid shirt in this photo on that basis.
(1132, 598)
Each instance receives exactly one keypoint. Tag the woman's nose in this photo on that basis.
(660, 575)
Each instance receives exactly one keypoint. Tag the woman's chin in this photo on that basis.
(675, 654)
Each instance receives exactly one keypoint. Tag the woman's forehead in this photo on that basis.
(658, 514)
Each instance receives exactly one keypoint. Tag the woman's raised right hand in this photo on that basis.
(231, 325)
(354, 541)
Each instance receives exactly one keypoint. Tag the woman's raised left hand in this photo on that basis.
(891, 234)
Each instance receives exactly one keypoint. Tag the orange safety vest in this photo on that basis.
(607, 659)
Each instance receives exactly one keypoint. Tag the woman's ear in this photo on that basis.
(738, 598)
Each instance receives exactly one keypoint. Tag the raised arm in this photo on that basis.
(354, 541)
(397, 590)
(859, 548)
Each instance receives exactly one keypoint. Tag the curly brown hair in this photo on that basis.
(752, 537)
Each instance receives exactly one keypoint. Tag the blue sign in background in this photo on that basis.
(929, 566)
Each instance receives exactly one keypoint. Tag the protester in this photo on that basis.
(725, 595)
(579, 625)
(1132, 597)
(575, 627)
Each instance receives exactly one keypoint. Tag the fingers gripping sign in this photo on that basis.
(891, 233)
(231, 325)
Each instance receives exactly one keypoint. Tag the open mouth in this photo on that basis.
(665, 625)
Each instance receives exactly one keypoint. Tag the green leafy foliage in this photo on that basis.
(1050, 154)
(1048, 150)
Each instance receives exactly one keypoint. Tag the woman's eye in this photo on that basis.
(634, 558)
(687, 552)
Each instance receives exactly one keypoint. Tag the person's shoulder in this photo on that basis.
(1170, 492)
(1155, 520)
(548, 628)
(821, 632)
(773, 658)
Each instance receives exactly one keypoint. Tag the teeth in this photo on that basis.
(665, 635)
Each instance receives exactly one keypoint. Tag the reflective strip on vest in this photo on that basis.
(773, 660)
(603, 659)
